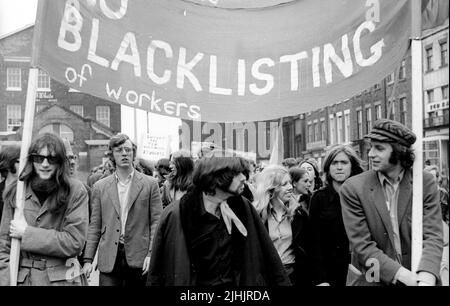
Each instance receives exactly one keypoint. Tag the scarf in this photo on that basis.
(43, 188)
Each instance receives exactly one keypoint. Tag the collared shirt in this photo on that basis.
(391, 191)
(123, 189)
(280, 231)
(212, 249)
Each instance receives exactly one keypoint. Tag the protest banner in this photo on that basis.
(223, 61)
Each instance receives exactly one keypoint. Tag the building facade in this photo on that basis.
(86, 121)
(435, 86)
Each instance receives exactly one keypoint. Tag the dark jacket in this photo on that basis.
(329, 242)
(170, 263)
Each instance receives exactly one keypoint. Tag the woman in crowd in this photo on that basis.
(179, 179)
(310, 165)
(9, 167)
(54, 224)
(301, 182)
(285, 221)
(330, 245)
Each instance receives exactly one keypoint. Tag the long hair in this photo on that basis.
(217, 172)
(355, 161)
(181, 179)
(267, 184)
(403, 155)
(55, 145)
(8, 157)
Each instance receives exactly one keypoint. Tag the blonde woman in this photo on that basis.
(285, 220)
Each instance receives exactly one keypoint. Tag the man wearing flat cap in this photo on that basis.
(376, 208)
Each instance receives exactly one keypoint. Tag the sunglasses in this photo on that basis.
(37, 158)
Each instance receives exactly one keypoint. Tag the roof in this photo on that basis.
(16, 31)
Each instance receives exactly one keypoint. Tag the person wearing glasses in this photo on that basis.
(126, 207)
(54, 224)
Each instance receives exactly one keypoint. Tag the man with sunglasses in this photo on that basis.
(126, 207)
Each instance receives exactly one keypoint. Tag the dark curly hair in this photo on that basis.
(403, 155)
(218, 172)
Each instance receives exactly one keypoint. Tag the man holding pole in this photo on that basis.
(377, 207)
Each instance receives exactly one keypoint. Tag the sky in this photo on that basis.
(16, 14)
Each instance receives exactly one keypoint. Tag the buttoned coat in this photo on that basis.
(368, 226)
(144, 212)
(57, 237)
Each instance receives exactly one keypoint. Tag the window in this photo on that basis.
(78, 109)
(392, 109)
(444, 53)
(102, 115)
(59, 129)
(359, 123)
(403, 110)
(429, 58)
(310, 133)
(368, 119)
(430, 95)
(347, 127)
(444, 92)
(377, 112)
(402, 73)
(316, 132)
(332, 130)
(376, 86)
(340, 130)
(13, 79)
(43, 81)
(324, 129)
(298, 127)
(390, 79)
(13, 117)
(39, 108)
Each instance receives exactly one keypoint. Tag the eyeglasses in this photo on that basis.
(37, 158)
(120, 149)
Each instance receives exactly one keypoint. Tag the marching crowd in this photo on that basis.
(223, 221)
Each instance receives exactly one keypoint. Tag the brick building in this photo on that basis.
(436, 121)
(86, 121)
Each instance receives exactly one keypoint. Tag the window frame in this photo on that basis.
(9, 112)
(8, 75)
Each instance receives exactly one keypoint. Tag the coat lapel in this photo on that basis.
(378, 198)
(113, 194)
(404, 196)
(135, 189)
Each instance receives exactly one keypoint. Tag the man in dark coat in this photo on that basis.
(214, 237)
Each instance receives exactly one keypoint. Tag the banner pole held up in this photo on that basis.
(417, 128)
(14, 257)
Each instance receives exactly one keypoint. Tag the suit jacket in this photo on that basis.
(368, 225)
(145, 209)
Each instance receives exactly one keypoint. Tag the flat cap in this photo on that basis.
(391, 131)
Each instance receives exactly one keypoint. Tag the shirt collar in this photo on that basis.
(128, 179)
(383, 178)
(272, 208)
